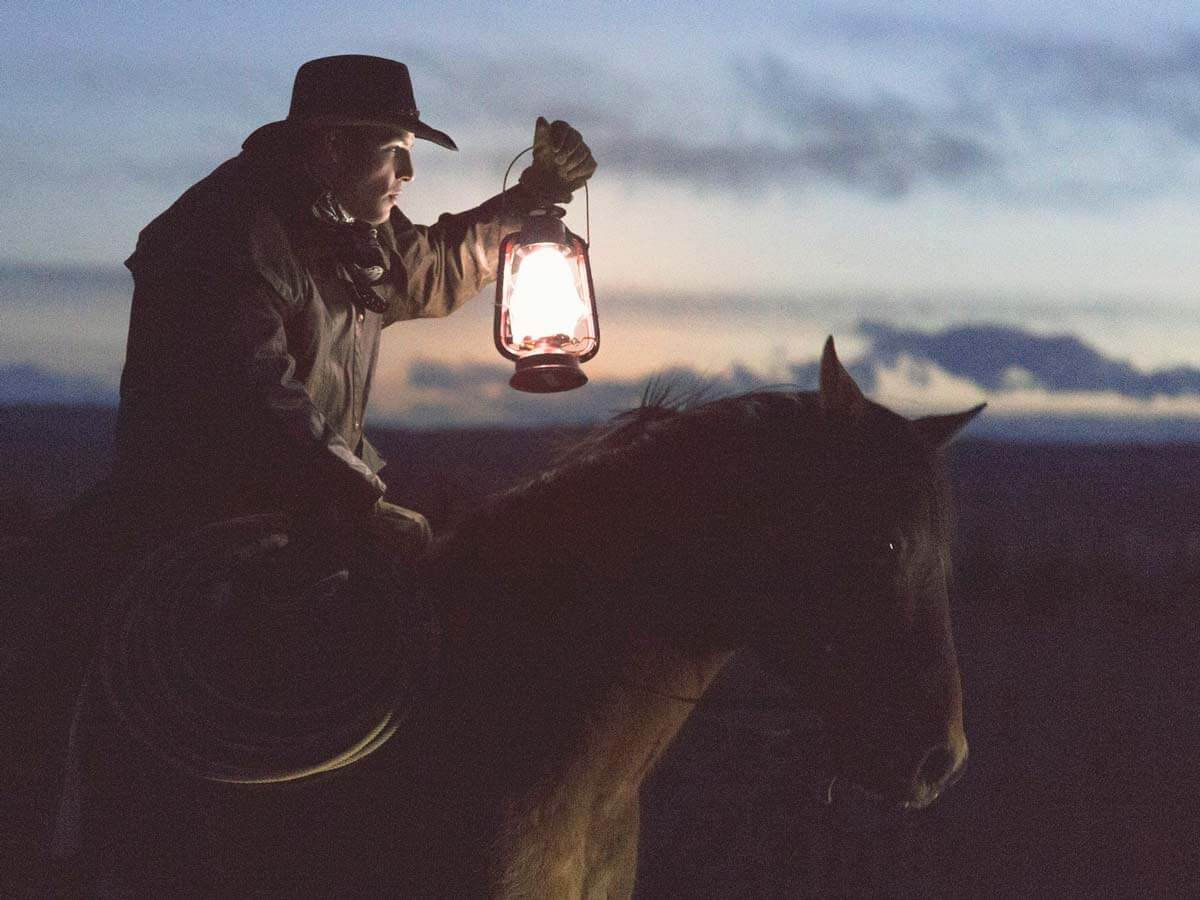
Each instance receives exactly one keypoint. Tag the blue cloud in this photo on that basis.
(986, 354)
(475, 392)
(1049, 120)
(29, 384)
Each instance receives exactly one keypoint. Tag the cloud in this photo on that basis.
(96, 126)
(492, 91)
(887, 166)
(885, 144)
(1037, 387)
(217, 88)
(17, 280)
(989, 113)
(999, 358)
(1031, 373)
(1158, 86)
(433, 375)
(438, 394)
(27, 383)
(1153, 80)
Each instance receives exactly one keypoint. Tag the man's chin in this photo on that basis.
(376, 215)
(382, 215)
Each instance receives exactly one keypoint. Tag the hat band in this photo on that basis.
(365, 114)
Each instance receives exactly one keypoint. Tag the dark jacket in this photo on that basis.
(250, 355)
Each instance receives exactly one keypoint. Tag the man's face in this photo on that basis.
(371, 168)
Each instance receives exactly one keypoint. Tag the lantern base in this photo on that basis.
(547, 373)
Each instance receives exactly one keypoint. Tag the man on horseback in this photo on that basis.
(259, 297)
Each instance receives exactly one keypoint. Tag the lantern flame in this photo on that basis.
(545, 306)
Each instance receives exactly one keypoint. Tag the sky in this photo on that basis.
(769, 173)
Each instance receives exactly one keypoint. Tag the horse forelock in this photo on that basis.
(876, 460)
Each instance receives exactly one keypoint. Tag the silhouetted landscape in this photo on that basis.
(1077, 613)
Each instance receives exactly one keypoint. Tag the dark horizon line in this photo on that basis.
(1027, 426)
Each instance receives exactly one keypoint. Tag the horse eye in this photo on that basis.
(886, 551)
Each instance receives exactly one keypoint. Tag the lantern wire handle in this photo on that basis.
(504, 183)
(587, 199)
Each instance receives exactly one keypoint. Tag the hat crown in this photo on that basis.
(352, 89)
(353, 85)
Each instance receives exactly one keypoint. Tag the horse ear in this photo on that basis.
(839, 394)
(938, 431)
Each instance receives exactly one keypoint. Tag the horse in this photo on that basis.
(582, 615)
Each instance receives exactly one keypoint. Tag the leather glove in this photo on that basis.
(342, 530)
(562, 162)
(394, 529)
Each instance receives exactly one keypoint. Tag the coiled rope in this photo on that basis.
(231, 659)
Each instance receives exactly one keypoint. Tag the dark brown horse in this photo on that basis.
(580, 616)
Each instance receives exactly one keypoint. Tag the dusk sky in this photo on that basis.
(769, 173)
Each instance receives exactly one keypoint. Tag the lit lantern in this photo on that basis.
(545, 305)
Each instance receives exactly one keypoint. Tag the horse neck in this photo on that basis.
(596, 664)
(559, 704)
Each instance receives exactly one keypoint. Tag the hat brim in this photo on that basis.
(274, 130)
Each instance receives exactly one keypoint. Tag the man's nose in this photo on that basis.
(404, 166)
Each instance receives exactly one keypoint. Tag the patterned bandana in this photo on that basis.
(356, 245)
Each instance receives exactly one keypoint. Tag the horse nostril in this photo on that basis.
(937, 766)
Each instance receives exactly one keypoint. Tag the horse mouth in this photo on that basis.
(884, 803)
(857, 807)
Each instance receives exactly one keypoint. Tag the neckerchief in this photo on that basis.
(356, 245)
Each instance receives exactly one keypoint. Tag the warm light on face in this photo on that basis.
(370, 168)
(545, 305)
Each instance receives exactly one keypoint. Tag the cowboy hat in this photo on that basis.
(352, 90)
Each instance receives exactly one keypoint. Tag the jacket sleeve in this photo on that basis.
(435, 269)
(314, 461)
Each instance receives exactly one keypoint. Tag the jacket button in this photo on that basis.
(361, 316)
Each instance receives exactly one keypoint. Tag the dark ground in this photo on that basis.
(1078, 620)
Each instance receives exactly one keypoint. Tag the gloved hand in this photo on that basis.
(344, 530)
(562, 162)
(394, 529)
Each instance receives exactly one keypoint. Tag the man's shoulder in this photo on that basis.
(227, 215)
(225, 192)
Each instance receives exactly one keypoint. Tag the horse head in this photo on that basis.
(814, 528)
(865, 639)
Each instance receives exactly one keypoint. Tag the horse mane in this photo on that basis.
(679, 428)
(676, 428)
(663, 399)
